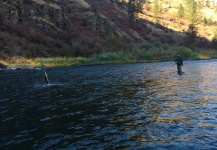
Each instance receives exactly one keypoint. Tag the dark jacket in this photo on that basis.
(179, 61)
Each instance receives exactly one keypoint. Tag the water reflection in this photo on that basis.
(110, 107)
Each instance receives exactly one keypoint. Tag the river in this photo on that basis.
(127, 106)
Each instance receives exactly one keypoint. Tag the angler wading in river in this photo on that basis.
(179, 62)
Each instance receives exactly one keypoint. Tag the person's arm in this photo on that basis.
(176, 61)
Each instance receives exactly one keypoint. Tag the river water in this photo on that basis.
(129, 106)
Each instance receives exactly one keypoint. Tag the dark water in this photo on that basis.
(132, 106)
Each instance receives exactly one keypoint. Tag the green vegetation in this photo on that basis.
(192, 11)
(214, 40)
(134, 6)
(112, 57)
(163, 52)
(208, 21)
(112, 38)
(191, 36)
(157, 9)
(62, 61)
(119, 3)
(181, 11)
(146, 52)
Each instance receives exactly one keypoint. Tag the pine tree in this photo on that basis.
(191, 35)
(119, 3)
(214, 40)
(181, 11)
(192, 11)
(157, 9)
(134, 6)
(205, 21)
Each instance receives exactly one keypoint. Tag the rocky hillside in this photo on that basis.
(46, 28)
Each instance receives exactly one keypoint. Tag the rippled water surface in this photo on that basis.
(131, 106)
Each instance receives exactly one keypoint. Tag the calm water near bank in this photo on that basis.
(129, 106)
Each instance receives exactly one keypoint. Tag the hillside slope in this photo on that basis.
(46, 28)
(49, 28)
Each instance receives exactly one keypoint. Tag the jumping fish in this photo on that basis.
(45, 77)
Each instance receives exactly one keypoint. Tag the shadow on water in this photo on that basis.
(129, 106)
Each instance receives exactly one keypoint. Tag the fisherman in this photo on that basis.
(179, 62)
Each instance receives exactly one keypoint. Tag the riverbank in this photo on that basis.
(134, 56)
(17, 63)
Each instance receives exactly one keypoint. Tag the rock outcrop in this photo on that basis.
(49, 27)
(53, 14)
(52, 25)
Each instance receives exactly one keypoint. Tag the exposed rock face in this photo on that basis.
(53, 13)
(45, 21)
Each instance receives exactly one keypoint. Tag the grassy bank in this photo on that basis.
(143, 53)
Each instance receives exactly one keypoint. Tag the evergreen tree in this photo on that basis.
(214, 40)
(181, 11)
(191, 35)
(192, 11)
(134, 6)
(119, 3)
(157, 9)
(205, 21)
(215, 7)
